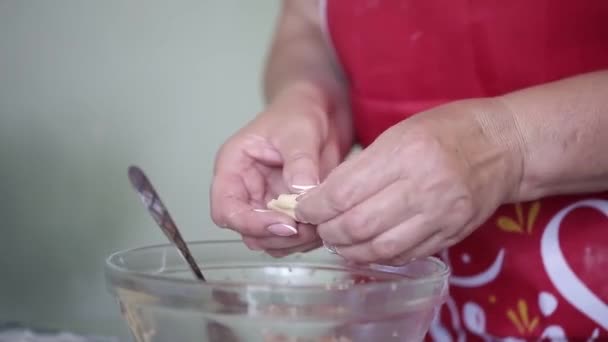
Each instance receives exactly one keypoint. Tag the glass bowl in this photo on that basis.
(251, 296)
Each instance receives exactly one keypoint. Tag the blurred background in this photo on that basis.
(88, 88)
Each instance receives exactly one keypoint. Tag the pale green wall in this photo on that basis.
(86, 88)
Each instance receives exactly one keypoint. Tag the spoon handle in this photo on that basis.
(159, 212)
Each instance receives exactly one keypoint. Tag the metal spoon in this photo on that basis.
(159, 212)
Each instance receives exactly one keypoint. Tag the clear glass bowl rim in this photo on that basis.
(115, 271)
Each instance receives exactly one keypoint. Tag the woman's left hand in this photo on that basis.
(422, 186)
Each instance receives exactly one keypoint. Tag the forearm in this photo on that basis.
(299, 57)
(561, 130)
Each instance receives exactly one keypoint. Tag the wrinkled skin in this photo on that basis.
(423, 185)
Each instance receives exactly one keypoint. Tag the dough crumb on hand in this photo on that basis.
(285, 204)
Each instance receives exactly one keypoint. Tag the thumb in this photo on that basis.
(300, 152)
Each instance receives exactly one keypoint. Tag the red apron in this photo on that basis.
(533, 269)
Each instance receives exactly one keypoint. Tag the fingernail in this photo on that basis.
(302, 183)
(302, 188)
(281, 229)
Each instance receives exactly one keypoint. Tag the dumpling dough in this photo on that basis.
(285, 204)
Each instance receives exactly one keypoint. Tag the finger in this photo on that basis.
(346, 186)
(434, 244)
(262, 150)
(251, 243)
(260, 223)
(275, 185)
(428, 247)
(245, 168)
(371, 217)
(306, 234)
(236, 175)
(330, 158)
(300, 151)
(389, 244)
(279, 253)
(231, 208)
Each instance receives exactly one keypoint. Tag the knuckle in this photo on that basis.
(444, 233)
(359, 227)
(354, 256)
(340, 198)
(463, 209)
(384, 249)
(357, 233)
(460, 216)
(449, 242)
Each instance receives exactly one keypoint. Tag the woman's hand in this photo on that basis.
(287, 148)
(423, 185)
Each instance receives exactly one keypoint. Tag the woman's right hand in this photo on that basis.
(287, 148)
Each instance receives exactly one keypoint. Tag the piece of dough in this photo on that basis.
(285, 204)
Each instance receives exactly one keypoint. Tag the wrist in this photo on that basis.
(502, 141)
(323, 98)
(315, 91)
(303, 95)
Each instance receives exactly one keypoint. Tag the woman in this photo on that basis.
(484, 127)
